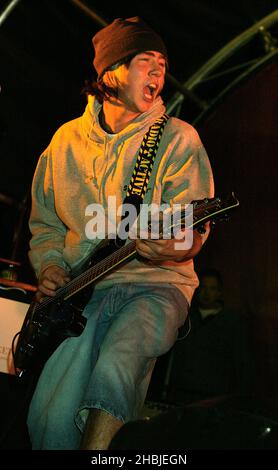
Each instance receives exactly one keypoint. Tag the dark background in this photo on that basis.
(46, 55)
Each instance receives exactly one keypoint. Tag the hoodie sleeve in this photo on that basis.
(48, 231)
(188, 176)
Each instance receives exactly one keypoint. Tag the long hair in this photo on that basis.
(99, 89)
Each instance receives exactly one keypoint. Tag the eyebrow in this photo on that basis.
(152, 54)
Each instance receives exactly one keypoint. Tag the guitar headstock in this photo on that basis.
(167, 223)
(216, 208)
(198, 212)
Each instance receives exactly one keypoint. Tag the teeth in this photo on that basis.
(152, 87)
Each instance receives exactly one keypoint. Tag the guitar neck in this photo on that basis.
(95, 272)
(204, 210)
(102, 267)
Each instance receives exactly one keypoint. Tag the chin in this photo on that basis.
(140, 107)
(145, 107)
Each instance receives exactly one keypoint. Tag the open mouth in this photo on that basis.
(149, 91)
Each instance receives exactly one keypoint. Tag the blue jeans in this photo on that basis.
(109, 366)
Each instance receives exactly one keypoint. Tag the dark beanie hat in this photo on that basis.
(123, 38)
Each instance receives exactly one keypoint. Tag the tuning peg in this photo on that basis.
(201, 229)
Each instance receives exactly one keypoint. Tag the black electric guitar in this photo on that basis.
(53, 320)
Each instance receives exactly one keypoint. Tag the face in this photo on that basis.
(141, 82)
(209, 292)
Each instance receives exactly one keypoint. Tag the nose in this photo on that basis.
(155, 69)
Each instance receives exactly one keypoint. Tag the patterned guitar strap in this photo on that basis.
(143, 167)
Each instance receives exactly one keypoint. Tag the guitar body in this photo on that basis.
(43, 331)
(48, 323)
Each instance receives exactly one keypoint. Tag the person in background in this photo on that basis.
(215, 357)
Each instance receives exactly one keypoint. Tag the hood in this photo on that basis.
(94, 131)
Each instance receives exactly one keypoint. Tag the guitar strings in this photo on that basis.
(97, 269)
(119, 255)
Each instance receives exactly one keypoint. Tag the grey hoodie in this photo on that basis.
(83, 165)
